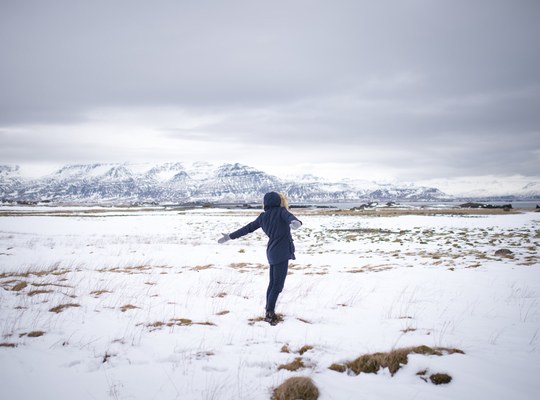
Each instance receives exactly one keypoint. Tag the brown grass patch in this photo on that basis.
(224, 312)
(393, 360)
(140, 269)
(176, 322)
(28, 274)
(35, 334)
(204, 354)
(238, 265)
(36, 292)
(305, 348)
(51, 284)
(9, 345)
(156, 325)
(202, 267)
(126, 307)
(407, 330)
(206, 323)
(296, 388)
(97, 293)
(19, 286)
(293, 365)
(285, 349)
(243, 265)
(180, 322)
(371, 268)
(62, 307)
(338, 367)
(440, 379)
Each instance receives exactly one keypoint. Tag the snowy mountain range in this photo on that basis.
(194, 182)
(127, 183)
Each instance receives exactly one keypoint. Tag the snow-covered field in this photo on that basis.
(146, 305)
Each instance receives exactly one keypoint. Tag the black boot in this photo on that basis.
(271, 318)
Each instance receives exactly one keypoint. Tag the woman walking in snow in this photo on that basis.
(276, 221)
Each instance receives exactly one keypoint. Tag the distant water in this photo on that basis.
(440, 204)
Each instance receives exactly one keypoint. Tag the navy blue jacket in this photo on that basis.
(274, 221)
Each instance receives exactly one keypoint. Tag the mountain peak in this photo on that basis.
(228, 170)
(178, 182)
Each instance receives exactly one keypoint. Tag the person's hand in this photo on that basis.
(295, 224)
(224, 239)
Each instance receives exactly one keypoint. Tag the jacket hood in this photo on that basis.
(271, 199)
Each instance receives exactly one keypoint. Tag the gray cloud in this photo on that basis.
(449, 88)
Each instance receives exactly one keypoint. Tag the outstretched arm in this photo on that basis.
(251, 227)
(293, 222)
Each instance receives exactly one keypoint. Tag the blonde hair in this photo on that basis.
(284, 201)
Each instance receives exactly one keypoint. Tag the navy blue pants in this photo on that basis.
(278, 273)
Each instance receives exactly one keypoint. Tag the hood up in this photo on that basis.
(271, 199)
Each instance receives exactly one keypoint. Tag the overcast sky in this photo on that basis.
(409, 90)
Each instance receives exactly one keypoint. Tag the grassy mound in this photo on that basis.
(297, 388)
(393, 360)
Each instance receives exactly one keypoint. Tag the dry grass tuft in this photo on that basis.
(409, 329)
(224, 312)
(201, 355)
(285, 349)
(252, 321)
(140, 269)
(51, 284)
(19, 286)
(62, 307)
(440, 379)
(338, 367)
(296, 388)
(176, 322)
(156, 325)
(9, 345)
(97, 293)
(52, 271)
(35, 334)
(293, 366)
(126, 307)
(305, 348)
(180, 322)
(206, 323)
(202, 267)
(393, 360)
(36, 292)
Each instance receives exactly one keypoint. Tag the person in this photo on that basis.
(276, 221)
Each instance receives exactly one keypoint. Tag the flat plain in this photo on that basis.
(142, 303)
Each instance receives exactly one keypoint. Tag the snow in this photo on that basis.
(359, 285)
(487, 186)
